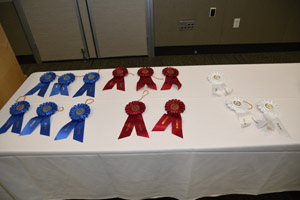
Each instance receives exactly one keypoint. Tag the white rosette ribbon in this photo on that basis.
(241, 108)
(218, 84)
(270, 119)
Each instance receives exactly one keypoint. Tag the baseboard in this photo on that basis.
(217, 49)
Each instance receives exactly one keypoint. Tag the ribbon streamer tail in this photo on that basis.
(18, 124)
(163, 123)
(35, 89)
(64, 90)
(45, 126)
(121, 84)
(110, 84)
(152, 85)
(140, 127)
(65, 130)
(177, 126)
(91, 90)
(43, 90)
(31, 125)
(139, 85)
(79, 131)
(80, 91)
(7, 124)
(55, 89)
(127, 128)
(177, 82)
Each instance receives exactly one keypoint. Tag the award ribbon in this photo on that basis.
(145, 74)
(218, 84)
(173, 107)
(171, 78)
(89, 84)
(42, 87)
(17, 112)
(118, 79)
(241, 108)
(78, 113)
(44, 112)
(62, 85)
(135, 119)
(270, 112)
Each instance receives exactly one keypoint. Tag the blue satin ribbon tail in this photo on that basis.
(7, 124)
(31, 125)
(65, 130)
(78, 131)
(18, 124)
(45, 126)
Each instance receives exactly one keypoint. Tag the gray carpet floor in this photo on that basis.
(204, 59)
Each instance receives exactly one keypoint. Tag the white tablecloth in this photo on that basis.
(216, 156)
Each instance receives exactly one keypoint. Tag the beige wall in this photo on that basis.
(268, 21)
(13, 29)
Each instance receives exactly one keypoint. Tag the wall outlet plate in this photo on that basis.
(187, 25)
(212, 12)
(236, 22)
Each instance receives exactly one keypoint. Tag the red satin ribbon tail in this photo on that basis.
(177, 126)
(163, 123)
(110, 84)
(121, 84)
(177, 82)
(127, 128)
(166, 86)
(140, 126)
(152, 85)
(139, 85)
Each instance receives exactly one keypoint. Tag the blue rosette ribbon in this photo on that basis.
(62, 85)
(89, 84)
(42, 87)
(17, 112)
(44, 112)
(78, 113)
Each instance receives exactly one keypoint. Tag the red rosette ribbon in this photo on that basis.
(145, 74)
(173, 107)
(118, 79)
(171, 78)
(135, 119)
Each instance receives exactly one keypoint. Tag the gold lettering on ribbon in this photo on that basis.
(67, 127)
(63, 87)
(128, 127)
(111, 83)
(78, 132)
(56, 86)
(163, 122)
(7, 124)
(82, 89)
(32, 123)
(91, 89)
(45, 126)
(17, 125)
(177, 124)
(140, 126)
(121, 84)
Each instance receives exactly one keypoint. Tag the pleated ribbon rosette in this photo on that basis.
(173, 107)
(171, 78)
(17, 112)
(42, 87)
(270, 119)
(119, 74)
(90, 80)
(135, 119)
(44, 112)
(62, 85)
(145, 74)
(78, 114)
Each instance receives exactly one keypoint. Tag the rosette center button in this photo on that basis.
(80, 111)
(174, 106)
(46, 108)
(135, 108)
(170, 71)
(91, 76)
(20, 107)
